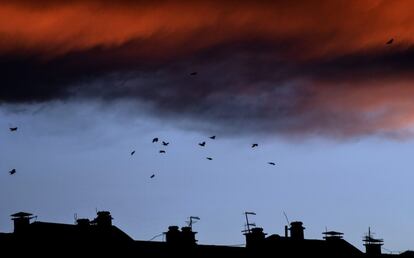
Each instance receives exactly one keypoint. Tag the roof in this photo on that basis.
(408, 253)
(58, 230)
(288, 247)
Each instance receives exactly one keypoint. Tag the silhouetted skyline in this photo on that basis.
(99, 235)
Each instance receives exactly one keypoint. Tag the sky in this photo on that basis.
(314, 83)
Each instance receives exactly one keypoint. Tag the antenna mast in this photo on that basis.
(286, 217)
(191, 222)
(248, 224)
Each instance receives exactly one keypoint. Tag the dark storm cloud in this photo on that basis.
(272, 68)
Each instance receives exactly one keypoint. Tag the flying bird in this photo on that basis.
(271, 163)
(389, 42)
(162, 151)
(193, 73)
(154, 140)
(255, 145)
(152, 176)
(133, 152)
(212, 137)
(12, 172)
(165, 143)
(202, 144)
(13, 129)
(209, 158)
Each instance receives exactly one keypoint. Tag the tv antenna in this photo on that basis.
(192, 221)
(248, 224)
(370, 240)
(286, 217)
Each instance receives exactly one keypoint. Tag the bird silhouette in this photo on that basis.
(12, 129)
(202, 144)
(154, 140)
(152, 176)
(255, 145)
(12, 172)
(213, 137)
(162, 151)
(209, 158)
(193, 73)
(389, 42)
(271, 163)
(165, 143)
(133, 152)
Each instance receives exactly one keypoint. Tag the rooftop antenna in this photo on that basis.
(248, 224)
(370, 240)
(191, 222)
(75, 217)
(286, 226)
(370, 235)
(286, 217)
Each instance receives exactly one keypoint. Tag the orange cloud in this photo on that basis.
(319, 28)
(361, 107)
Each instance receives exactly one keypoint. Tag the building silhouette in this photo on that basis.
(99, 237)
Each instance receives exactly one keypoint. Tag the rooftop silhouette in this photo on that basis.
(100, 237)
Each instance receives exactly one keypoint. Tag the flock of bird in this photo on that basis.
(154, 140)
(201, 144)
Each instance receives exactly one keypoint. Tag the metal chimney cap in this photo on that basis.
(21, 214)
(173, 228)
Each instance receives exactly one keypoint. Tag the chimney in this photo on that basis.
(21, 221)
(372, 245)
(103, 219)
(188, 236)
(296, 230)
(255, 237)
(286, 231)
(185, 237)
(173, 235)
(373, 249)
(83, 223)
